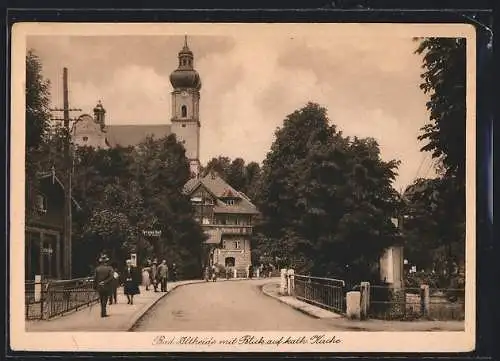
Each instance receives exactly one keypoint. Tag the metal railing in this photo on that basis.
(52, 298)
(324, 292)
(390, 303)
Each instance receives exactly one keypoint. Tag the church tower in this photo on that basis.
(99, 115)
(186, 85)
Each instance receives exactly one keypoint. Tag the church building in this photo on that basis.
(185, 117)
(225, 214)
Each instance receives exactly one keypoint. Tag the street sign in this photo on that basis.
(151, 233)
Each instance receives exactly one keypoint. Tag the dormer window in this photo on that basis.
(85, 139)
(230, 202)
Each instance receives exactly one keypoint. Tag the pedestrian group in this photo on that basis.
(107, 280)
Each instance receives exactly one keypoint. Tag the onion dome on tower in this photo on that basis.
(185, 76)
(99, 115)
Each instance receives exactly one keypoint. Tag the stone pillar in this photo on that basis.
(425, 300)
(235, 273)
(290, 282)
(283, 285)
(364, 300)
(353, 310)
(248, 272)
(258, 272)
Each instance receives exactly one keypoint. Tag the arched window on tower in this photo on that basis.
(184, 111)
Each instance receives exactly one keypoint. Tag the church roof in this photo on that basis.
(131, 135)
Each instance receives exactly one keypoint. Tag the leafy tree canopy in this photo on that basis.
(326, 200)
(444, 80)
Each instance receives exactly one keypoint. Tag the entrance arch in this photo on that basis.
(229, 262)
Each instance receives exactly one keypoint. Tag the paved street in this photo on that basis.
(226, 306)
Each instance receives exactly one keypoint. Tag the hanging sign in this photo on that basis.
(151, 233)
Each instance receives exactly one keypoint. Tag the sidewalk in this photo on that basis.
(122, 316)
(342, 323)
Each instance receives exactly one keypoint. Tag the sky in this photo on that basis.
(368, 81)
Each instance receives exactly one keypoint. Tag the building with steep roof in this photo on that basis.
(227, 216)
(184, 121)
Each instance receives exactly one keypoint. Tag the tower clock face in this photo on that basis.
(184, 93)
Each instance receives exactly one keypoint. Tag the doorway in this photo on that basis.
(230, 262)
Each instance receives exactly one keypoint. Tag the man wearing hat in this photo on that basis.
(102, 282)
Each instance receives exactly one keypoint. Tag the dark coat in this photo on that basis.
(131, 280)
(103, 278)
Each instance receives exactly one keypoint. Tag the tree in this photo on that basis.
(432, 243)
(442, 215)
(37, 120)
(219, 165)
(252, 179)
(236, 176)
(444, 80)
(109, 231)
(161, 170)
(326, 200)
(37, 102)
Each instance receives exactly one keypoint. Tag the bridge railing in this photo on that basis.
(47, 299)
(324, 292)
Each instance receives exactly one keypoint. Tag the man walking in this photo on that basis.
(102, 282)
(154, 274)
(162, 274)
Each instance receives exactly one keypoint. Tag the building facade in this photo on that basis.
(227, 217)
(44, 238)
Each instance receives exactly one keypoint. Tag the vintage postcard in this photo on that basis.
(243, 187)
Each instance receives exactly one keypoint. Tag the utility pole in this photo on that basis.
(68, 169)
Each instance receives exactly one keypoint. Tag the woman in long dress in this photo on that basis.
(131, 279)
(146, 281)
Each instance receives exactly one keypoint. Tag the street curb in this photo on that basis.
(135, 320)
(298, 308)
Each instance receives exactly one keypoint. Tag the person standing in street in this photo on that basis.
(115, 283)
(154, 275)
(163, 274)
(214, 273)
(146, 278)
(174, 272)
(102, 282)
(131, 282)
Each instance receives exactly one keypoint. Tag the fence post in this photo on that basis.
(424, 300)
(38, 288)
(291, 282)
(257, 272)
(353, 304)
(46, 303)
(235, 273)
(364, 299)
(283, 288)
